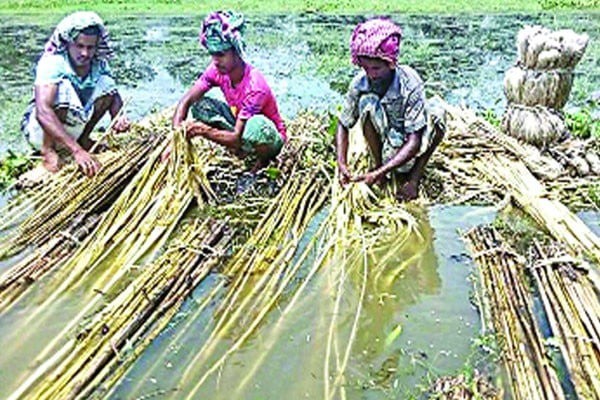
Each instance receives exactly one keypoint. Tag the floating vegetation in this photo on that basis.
(12, 166)
(461, 388)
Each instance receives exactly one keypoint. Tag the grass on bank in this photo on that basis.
(282, 6)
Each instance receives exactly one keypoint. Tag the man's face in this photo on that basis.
(225, 61)
(375, 68)
(82, 50)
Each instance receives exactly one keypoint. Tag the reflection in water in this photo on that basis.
(288, 355)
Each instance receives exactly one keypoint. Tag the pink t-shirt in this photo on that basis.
(250, 97)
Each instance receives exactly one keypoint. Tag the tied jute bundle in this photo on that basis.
(536, 125)
(540, 83)
(545, 88)
(542, 49)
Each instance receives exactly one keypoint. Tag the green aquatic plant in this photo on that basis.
(490, 116)
(583, 124)
(520, 228)
(13, 165)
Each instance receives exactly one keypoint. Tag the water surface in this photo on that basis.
(304, 57)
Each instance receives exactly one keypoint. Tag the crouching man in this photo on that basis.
(73, 90)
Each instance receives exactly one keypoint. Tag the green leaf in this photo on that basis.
(273, 173)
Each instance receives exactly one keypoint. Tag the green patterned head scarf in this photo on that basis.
(223, 30)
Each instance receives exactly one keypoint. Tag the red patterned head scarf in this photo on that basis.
(376, 38)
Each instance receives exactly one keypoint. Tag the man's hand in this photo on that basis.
(88, 163)
(191, 129)
(370, 178)
(195, 128)
(122, 124)
(345, 176)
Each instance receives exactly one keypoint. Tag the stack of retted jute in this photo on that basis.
(538, 87)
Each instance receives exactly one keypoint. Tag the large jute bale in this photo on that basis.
(533, 87)
(537, 125)
(541, 48)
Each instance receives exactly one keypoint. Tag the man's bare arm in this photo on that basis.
(190, 97)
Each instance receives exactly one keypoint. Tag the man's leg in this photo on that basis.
(261, 138)
(264, 154)
(50, 158)
(101, 106)
(373, 141)
(217, 114)
(410, 188)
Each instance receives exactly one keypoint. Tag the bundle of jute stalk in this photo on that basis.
(265, 265)
(538, 87)
(562, 170)
(18, 278)
(52, 206)
(459, 183)
(140, 221)
(532, 197)
(136, 227)
(362, 222)
(530, 371)
(89, 364)
(59, 211)
(569, 295)
(532, 87)
(542, 49)
(578, 157)
(259, 272)
(271, 263)
(537, 125)
(466, 124)
(468, 138)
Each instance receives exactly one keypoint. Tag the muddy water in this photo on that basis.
(416, 319)
(416, 322)
(304, 57)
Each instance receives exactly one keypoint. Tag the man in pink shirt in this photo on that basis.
(250, 122)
